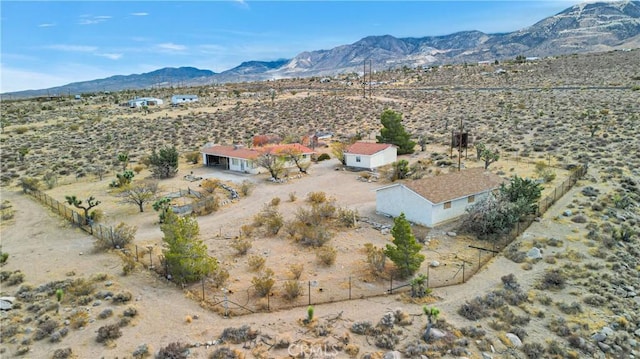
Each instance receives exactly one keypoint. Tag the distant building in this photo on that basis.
(241, 159)
(179, 99)
(145, 101)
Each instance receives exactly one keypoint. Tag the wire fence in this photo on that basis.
(243, 298)
(456, 269)
(78, 219)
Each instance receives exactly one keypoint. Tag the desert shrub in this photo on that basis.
(256, 262)
(246, 187)
(62, 353)
(105, 313)
(347, 217)
(122, 297)
(362, 328)
(533, 350)
(376, 258)
(292, 196)
(219, 276)
(314, 235)
(559, 326)
(386, 340)
(138, 168)
(296, 270)
(29, 184)
(291, 289)
(108, 332)
(263, 282)
(210, 184)
(509, 281)
(8, 331)
(192, 157)
(579, 219)
(270, 218)
(21, 129)
(130, 312)
(275, 201)
(595, 300)
(473, 310)
(141, 351)
(553, 279)
(175, 350)
(520, 332)
(241, 245)
(16, 277)
(122, 235)
(573, 308)
(238, 335)
(473, 332)
(326, 255)
(225, 353)
(317, 197)
(324, 157)
(554, 348)
(45, 329)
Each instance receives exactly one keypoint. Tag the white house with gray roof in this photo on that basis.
(433, 200)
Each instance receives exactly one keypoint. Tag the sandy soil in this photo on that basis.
(55, 250)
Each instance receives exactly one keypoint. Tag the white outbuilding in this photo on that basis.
(369, 155)
(180, 99)
(433, 200)
(145, 101)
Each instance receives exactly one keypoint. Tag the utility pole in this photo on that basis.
(460, 145)
(370, 78)
(364, 79)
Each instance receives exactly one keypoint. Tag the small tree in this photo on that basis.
(489, 157)
(185, 254)
(298, 158)
(405, 251)
(400, 170)
(140, 193)
(124, 178)
(523, 192)
(337, 149)
(124, 159)
(91, 202)
(272, 163)
(164, 163)
(22, 153)
(162, 206)
(393, 132)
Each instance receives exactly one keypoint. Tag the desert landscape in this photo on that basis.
(566, 286)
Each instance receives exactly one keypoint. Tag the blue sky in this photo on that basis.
(53, 43)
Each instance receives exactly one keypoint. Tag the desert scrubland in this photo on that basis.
(578, 299)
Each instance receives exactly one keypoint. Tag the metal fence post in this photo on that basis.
(309, 292)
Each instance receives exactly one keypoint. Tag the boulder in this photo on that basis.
(514, 339)
(434, 264)
(5, 305)
(392, 355)
(534, 253)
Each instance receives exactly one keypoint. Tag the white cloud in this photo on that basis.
(169, 46)
(139, 14)
(72, 48)
(46, 25)
(92, 20)
(111, 56)
(242, 3)
(17, 80)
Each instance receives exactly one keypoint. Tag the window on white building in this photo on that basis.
(357, 158)
(447, 205)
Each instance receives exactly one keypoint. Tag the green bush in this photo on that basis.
(263, 282)
(326, 255)
(324, 157)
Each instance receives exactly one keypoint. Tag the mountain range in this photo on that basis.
(583, 28)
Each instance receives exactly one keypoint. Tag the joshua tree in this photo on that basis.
(124, 159)
(432, 314)
(91, 202)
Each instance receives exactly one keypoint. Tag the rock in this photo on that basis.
(607, 331)
(486, 355)
(436, 334)
(97, 303)
(452, 234)
(598, 337)
(434, 264)
(392, 355)
(13, 299)
(515, 341)
(5, 305)
(567, 213)
(108, 283)
(604, 347)
(534, 253)
(628, 288)
(621, 293)
(637, 333)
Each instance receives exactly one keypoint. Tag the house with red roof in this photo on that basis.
(430, 201)
(241, 159)
(370, 155)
